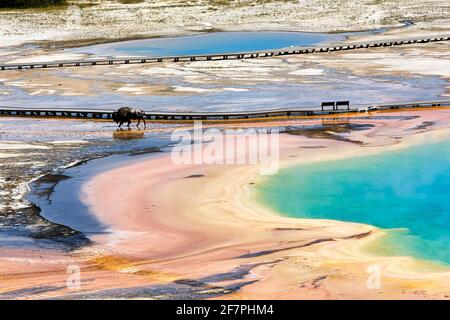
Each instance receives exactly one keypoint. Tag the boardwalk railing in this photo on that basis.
(225, 56)
(189, 116)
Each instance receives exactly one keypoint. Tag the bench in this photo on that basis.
(343, 103)
(327, 104)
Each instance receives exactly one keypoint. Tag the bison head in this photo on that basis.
(115, 117)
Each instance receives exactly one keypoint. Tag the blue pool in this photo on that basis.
(214, 42)
(406, 192)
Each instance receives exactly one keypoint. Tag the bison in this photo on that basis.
(126, 114)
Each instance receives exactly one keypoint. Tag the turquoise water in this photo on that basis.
(407, 189)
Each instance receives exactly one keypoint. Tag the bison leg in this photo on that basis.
(129, 122)
(139, 122)
(121, 123)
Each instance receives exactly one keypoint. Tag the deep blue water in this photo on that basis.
(407, 189)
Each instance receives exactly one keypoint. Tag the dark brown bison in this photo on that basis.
(126, 114)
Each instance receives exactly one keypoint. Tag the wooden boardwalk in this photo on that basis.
(189, 116)
(225, 56)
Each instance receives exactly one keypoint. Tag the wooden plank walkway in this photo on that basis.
(189, 116)
(226, 56)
